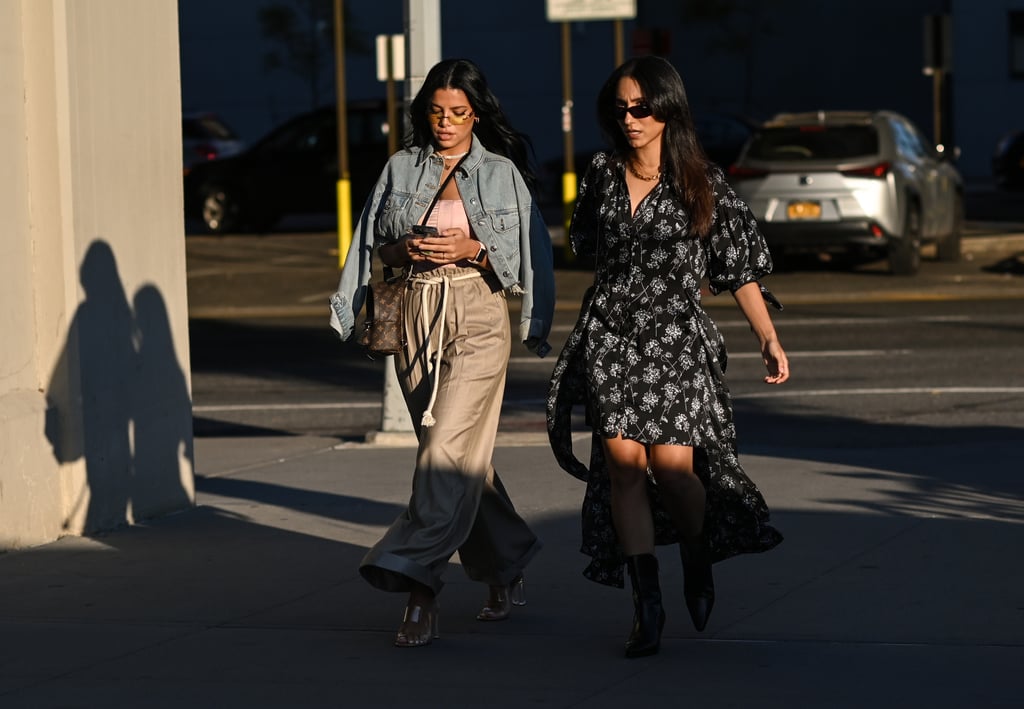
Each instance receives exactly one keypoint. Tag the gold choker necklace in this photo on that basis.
(640, 176)
(454, 157)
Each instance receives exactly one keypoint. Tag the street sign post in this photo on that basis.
(391, 68)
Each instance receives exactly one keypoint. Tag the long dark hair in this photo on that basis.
(682, 158)
(493, 128)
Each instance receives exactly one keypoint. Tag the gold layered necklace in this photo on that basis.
(449, 161)
(639, 175)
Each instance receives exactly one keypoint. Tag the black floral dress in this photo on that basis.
(647, 361)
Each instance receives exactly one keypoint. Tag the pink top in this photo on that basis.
(447, 214)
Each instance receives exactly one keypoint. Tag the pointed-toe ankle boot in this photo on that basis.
(698, 582)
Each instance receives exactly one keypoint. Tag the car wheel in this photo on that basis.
(220, 210)
(949, 249)
(905, 253)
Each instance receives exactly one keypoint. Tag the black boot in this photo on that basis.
(698, 583)
(649, 616)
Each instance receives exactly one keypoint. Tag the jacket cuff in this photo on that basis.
(341, 320)
(540, 347)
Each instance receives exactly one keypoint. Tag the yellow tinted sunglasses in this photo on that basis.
(456, 119)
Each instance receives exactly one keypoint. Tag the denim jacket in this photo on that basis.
(502, 215)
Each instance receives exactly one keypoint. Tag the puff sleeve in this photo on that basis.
(737, 251)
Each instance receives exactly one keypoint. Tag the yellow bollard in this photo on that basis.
(568, 202)
(344, 220)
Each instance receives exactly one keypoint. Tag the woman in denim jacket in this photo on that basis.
(490, 240)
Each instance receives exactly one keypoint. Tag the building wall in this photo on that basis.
(801, 55)
(95, 415)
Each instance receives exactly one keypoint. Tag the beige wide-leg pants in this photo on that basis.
(459, 317)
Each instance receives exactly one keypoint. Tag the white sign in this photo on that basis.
(397, 57)
(580, 10)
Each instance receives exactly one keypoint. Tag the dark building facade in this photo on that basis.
(767, 56)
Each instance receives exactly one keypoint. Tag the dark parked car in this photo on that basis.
(204, 136)
(864, 184)
(1008, 161)
(292, 170)
(723, 135)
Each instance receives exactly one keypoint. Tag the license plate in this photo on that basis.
(804, 210)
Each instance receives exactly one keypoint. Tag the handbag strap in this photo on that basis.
(426, 215)
(389, 272)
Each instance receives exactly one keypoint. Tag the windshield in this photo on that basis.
(205, 128)
(813, 142)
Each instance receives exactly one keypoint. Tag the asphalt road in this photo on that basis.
(874, 357)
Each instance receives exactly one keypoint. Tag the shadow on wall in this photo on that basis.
(118, 399)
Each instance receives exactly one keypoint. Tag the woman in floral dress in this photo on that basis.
(649, 363)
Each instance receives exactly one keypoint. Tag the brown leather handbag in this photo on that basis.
(384, 328)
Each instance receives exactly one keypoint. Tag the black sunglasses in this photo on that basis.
(641, 110)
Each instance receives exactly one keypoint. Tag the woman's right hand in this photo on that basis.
(401, 252)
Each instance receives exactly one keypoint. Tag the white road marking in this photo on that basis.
(802, 354)
(882, 391)
(784, 322)
(224, 408)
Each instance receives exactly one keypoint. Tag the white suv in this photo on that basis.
(860, 183)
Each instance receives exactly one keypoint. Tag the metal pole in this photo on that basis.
(392, 113)
(620, 44)
(569, 176)
(423, 41)
(423, 50)
(344, 186)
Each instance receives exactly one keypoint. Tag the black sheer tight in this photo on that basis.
(681, 490)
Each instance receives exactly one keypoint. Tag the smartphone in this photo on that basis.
(424, 230)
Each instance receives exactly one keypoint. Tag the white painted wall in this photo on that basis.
(95, 415)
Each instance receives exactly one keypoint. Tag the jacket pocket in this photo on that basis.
(392, 219)
(504, 221)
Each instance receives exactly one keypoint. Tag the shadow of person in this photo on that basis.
(1013, 265)
(90, 393)
(162, 408)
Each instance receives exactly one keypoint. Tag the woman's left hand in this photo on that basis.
(776, 361)
(450, 246)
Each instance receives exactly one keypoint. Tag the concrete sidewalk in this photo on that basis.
(896, 586)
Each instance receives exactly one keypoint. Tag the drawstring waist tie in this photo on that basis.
(434, 278)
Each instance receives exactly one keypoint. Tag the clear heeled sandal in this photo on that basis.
(501, 599)
(419, 625)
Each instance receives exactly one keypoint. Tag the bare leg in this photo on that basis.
(631, 512)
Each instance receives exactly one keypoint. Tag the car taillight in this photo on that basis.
(206, 152)
(879, 170)
(745, 173)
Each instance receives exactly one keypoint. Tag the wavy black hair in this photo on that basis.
(493, 129)
(682, 158)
